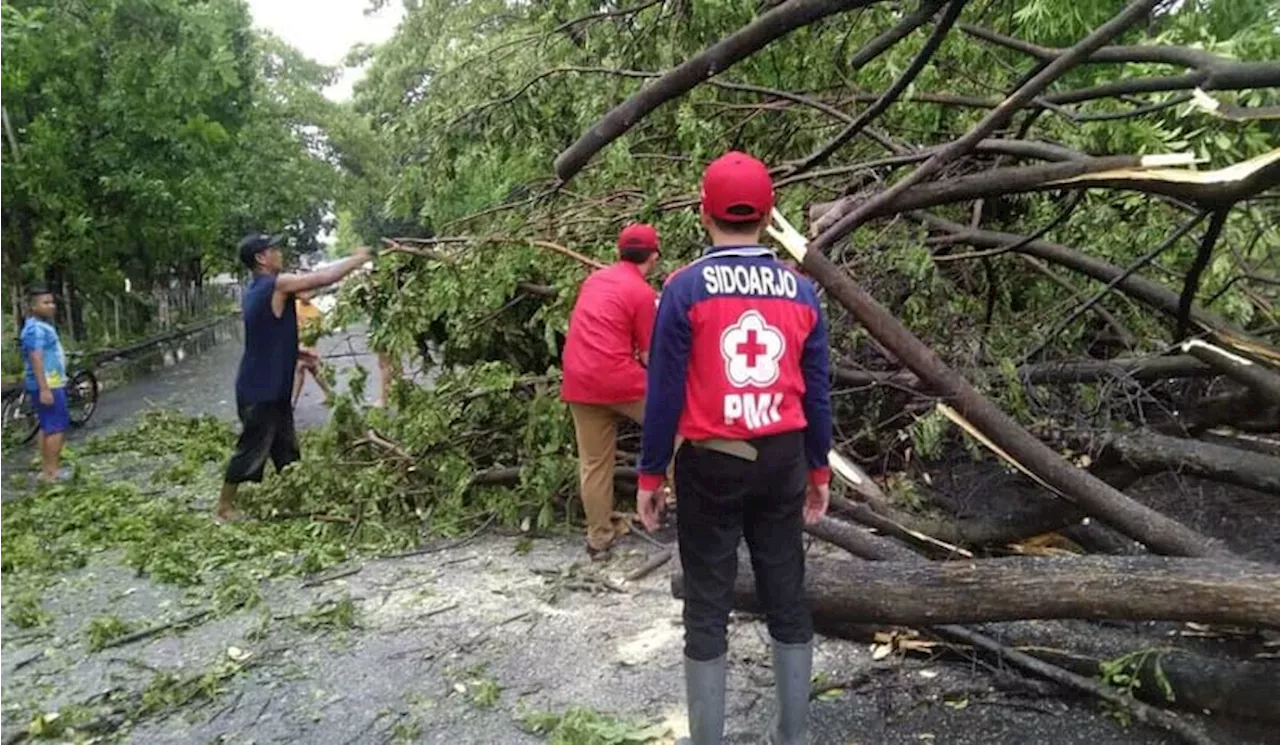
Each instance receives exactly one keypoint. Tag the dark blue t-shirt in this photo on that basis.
(270, 345)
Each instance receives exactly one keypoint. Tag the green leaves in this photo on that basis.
(582, 726)
(153, 133)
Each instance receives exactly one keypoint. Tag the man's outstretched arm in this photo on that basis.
(288, 284)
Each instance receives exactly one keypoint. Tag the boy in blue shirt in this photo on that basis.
(46, 378)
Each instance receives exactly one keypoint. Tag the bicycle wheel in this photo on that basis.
(82, 397)
(20, 417)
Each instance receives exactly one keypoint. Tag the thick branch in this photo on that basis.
(1184, 56)
(1158, 532)
(902, 30)
(1151, 452)
(720, 56)
(858, 541)
(994, 182)
(990, 123)
(1241, 369)
(1233, 76)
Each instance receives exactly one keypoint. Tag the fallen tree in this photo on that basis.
(1113, 588)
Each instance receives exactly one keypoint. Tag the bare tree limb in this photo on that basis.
(1122, 332)
(887, 98)
(1170, 55)
(1150, 452)
(902, 30)
(1129, 271)
(1140, 288)
(720, 56)
(1192, 283)
(990, 123)
(1065, 372)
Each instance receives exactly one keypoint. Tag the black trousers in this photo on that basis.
(267, 432)
(720, 500)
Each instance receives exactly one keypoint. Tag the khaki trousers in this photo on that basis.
(596, 426)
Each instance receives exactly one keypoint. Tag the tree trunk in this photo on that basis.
(1158, 532)
(1220, 591)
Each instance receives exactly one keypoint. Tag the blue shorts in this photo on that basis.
(56, 417)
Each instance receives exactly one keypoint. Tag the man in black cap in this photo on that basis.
(265, 380)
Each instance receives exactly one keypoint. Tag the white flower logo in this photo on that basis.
(751, 350)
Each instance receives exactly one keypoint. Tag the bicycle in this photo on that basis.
(19, 414)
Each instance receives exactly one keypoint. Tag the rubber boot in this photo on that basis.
(792, 668)
(704, 691)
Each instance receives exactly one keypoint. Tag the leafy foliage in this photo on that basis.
(146, 136)
(103, 630)
(25, 611)
(582, 726)
(465, 108)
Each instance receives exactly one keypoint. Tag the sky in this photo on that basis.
(325, 30)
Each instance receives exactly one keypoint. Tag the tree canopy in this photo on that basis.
(471, 103)
(143, 137)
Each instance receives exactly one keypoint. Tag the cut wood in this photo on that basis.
(1114, 587)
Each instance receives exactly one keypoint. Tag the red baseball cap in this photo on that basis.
(737, 188)
(638, 237)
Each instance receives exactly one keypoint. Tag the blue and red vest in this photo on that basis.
(739, 351)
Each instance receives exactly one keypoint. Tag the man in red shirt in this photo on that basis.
(604, 358)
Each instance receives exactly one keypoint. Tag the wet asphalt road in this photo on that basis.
(197, 377)
(429, 622)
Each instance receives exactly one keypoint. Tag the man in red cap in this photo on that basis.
(604, 357)
(739, 369)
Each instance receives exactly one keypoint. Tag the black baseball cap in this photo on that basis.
(255, 243)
